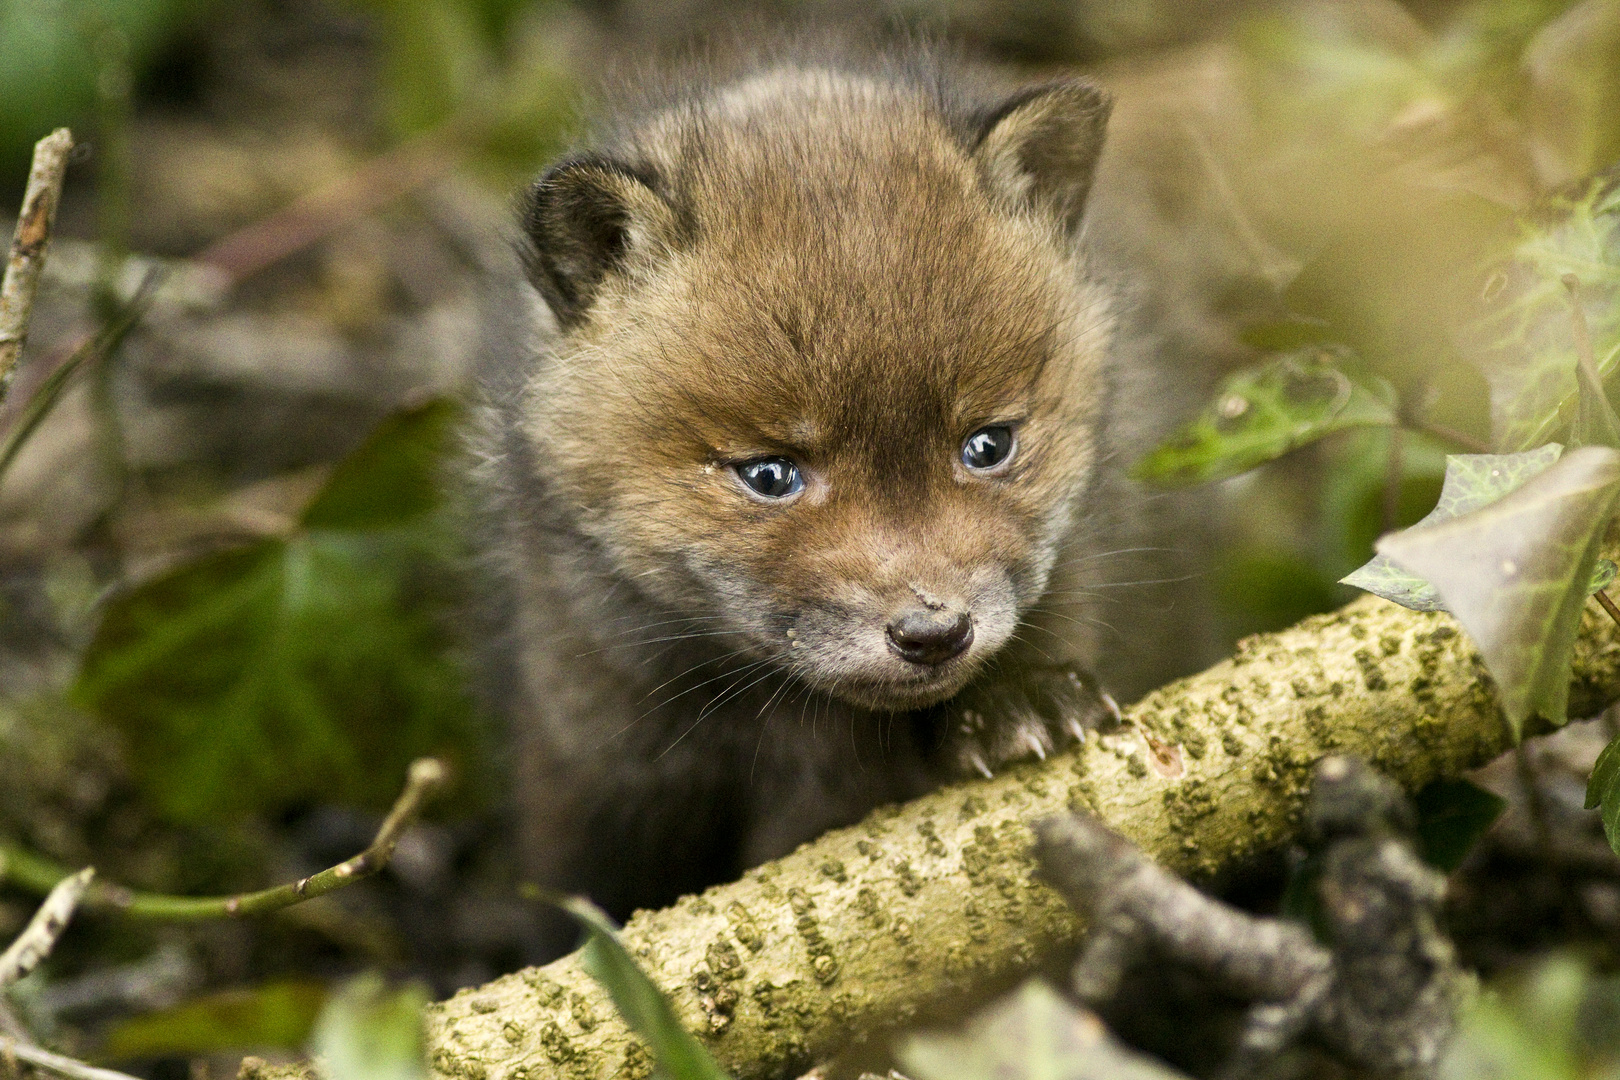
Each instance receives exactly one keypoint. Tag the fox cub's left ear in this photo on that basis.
(1040, 147)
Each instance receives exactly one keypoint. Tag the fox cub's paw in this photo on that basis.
(1043, 710)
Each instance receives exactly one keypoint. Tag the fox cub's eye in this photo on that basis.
(988, 447)
(772, 477)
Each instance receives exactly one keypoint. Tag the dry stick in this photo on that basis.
(56, 1063)
(38, 938)
(427, 776)
(1440, 431)
(930, 905)
(28, 247)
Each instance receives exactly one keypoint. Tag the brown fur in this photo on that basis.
(855, 267)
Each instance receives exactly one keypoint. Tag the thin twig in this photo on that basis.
(370, 187)
(427, 776)
(38, 938)
(28, 245)
(1608, 604)
(1391, 503)
(56, 1063)
(1451, 435)
(1583, 333)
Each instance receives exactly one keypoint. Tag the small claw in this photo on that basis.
(1075, 729)
(1112, 706)
(978, 763)
(1034, 743)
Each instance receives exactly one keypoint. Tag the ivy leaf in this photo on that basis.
(1603, 790)
(678, 1053)
(278, 1014)
(1033, 1034)
(1515, 573)
(1263, 412)
(314, 666)
(1472, 481)
(1526, 345)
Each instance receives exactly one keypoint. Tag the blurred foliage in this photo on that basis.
(312, 667)
(49, 63)
(1560, 1020)
(278, 1014)
(1265, 411)
(1452, 816)
(371, 1031)
(1033, 1034)
(1527, 348)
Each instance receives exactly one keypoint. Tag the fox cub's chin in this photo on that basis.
(835, 326)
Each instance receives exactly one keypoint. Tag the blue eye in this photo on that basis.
(772, 477)
(988, 447)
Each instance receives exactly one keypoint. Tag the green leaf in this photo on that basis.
(312, 667)
(392, 479)
(1515, 573)
(1452, 816)
(643, 1006)
(1472, 481)
(1573, 91)
(1603, 790)
(1262, 413)
(1033, 1034)
(370, 1031)
(273, 1015)
(1525, 346)
(1595, 421)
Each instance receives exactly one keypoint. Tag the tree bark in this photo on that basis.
(931, 904)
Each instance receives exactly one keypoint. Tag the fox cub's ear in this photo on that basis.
(1040, 147)
(586, 218)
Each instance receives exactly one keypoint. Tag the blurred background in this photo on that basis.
(228, 577)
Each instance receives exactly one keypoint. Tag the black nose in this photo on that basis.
(930, 637)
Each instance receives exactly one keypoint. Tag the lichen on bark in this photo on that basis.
(932, 903)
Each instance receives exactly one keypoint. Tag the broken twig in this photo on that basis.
(28, 247)
(38, 938)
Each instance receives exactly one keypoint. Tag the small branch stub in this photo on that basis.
(28, 246)
(38, 938)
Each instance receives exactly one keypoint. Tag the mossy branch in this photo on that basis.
(931, 905)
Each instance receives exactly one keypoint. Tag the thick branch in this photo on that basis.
(931, 904)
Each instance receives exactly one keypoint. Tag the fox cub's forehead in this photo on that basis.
(852, 261)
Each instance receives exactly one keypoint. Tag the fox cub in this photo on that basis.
(798, 468)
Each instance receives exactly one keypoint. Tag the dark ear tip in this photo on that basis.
(1076, 98)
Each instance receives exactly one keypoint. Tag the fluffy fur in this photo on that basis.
(854, 266)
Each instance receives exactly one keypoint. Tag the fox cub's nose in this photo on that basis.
(924, 636)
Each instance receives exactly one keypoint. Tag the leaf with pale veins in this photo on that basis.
(1516, 573)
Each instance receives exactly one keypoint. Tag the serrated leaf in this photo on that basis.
(371, 1031)
(277, 1014)
(1525, 347)
(1033, 1034)
(1471, 482)
(1515, 574)
(1264, 412)
(678, 1053)
(1452, 816)
(311, 667)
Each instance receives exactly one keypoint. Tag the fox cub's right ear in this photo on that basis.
(586, 218)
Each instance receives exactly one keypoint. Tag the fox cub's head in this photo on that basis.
(827, 367)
